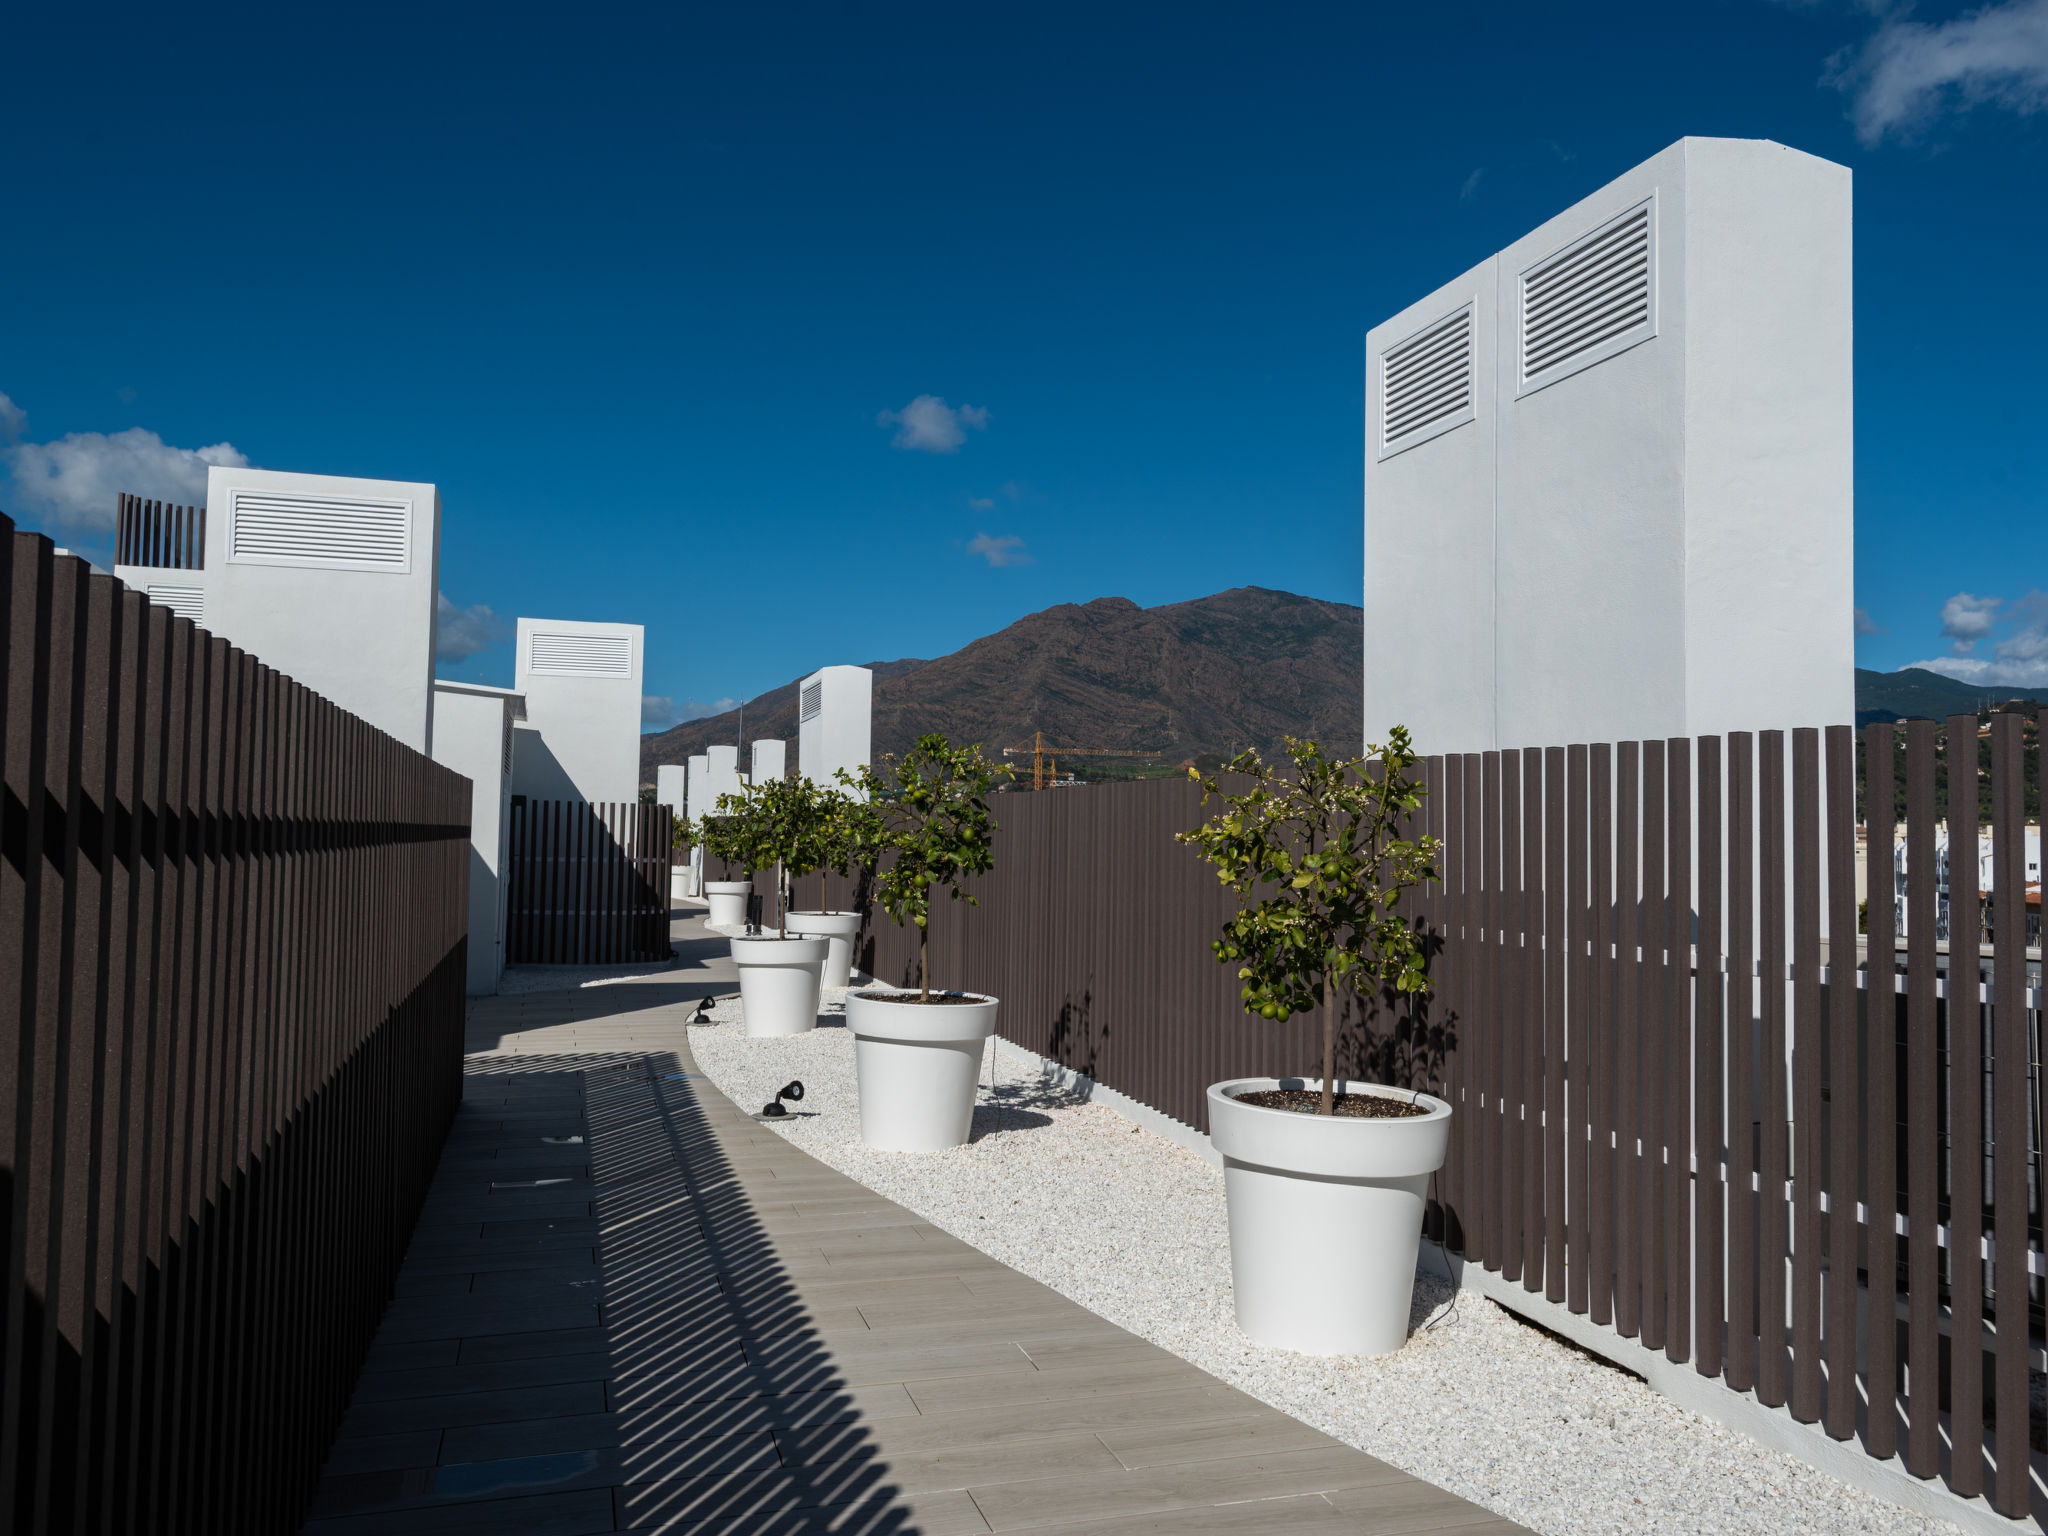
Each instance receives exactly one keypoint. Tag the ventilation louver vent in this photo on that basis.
(185, 602)
(1594, 298)
(581, 655)
(813, 702)
(324, 532)
(1426, 383)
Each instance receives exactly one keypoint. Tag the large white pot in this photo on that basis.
(779, 983)
(1325, 1216)
(841, 928)
(918, 1065)
(728, 902)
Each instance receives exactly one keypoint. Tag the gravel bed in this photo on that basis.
(1132, 1226)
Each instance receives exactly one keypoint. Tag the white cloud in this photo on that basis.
(1966, 620)
(72, 483)
(1866, 625)
(661, 712)
(1004, 549)
(931, 425)
(2018, 660)
(1471, 188)
(1910, 71)
(460, 633)
(982, 503)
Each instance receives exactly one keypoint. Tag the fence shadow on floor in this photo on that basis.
(702, 1357)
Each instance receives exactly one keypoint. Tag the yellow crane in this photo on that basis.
(1044, 766)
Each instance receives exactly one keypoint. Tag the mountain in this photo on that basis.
(1184, 680)
(1914, 693)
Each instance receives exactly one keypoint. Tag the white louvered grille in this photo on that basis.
(326, 532)
(185, 602)
(1594, 298)
(581, 655)
(813, 702)
(1426, 383)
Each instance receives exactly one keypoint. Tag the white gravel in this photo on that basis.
(1132, 1226)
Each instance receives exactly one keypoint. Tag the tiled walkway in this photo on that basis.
(630, 1307)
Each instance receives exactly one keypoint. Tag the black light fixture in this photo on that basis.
(791, 1090)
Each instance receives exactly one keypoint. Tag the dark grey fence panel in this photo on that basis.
(588, 882)
(233, 923)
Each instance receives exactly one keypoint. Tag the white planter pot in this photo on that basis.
(779, 983)
(1325, 1216)
(918, 1064)
(728, 902)
(841, 928)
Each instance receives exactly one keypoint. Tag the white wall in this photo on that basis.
(1659, 543)
(721, 775)
(698, 787)
(771, 760)
(582, 737)
(669, 786)
(330, 580)
(835, 724)
(472, 728)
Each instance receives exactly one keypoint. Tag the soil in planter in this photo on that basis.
(1356, 1106)
(912, 997)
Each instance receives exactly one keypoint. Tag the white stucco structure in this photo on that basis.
(697, 786)
(473, 734)
(581, 682)
(330, 580)
(835, 722)
(1608, 471)
(771, 762)
(721, 775)
(669, 786)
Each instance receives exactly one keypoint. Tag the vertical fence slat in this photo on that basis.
(1577, 1063)
(1742, 1062)
(1881, 1032)
(1554, 962)
(1656, 1026)
(1809, 1026)
(1923, 1113)
(1773, 1221)
(1678, 1055)
(1532, 1020)
(1628, 1089)
(1602, 1055)
(1966, 1116)
(1844, 1081)
(2011, 1103)
(1709, 1145)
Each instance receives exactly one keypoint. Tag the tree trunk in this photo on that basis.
(924, 961)
(781, 904)
(1329, 1103)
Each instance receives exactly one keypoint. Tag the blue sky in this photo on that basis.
(829, 333)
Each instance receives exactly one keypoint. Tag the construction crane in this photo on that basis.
(1044, 766)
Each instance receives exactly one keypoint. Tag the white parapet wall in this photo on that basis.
(697, 786)
(721, 775)
(771, 762)
(581, 682)
(835, 722)
(473, 734)
(1608, 474)
(669, 787)
(329, 579)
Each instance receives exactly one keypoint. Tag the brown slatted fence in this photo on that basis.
(156, 533)
(589, 882)
(1694, 1102)
(234, 919)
